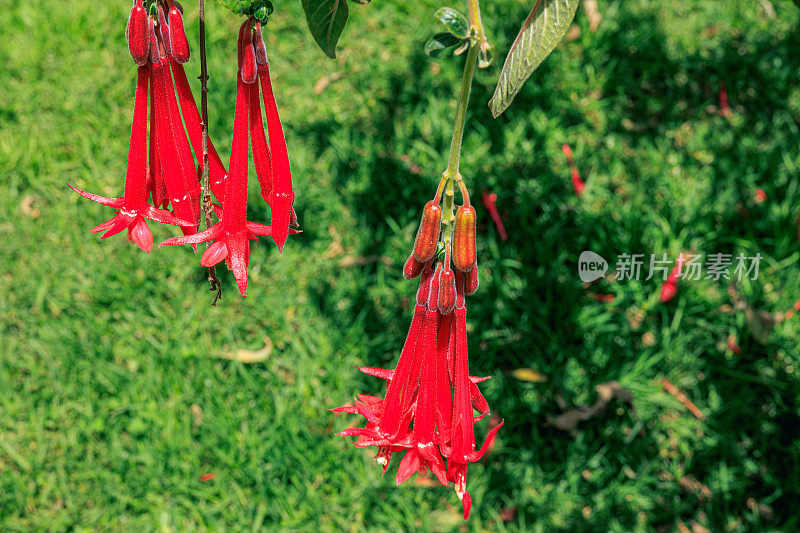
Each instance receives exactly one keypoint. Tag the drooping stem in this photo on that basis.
(461, 113)
(207, 207)
(451, 175)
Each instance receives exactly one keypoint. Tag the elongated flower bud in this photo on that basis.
(412, 268)
(249, 69)
(428, 233)
(447, 291)
(163, 29)
(178, 42)
(137, 34)
(465, 252)
(258, 43)
(471, 281)
(155, 53)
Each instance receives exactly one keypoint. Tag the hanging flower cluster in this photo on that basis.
(167, 175)
(427, 411)
(231, 236)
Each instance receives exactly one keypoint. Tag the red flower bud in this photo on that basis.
(412, 268)
(447, 291)
(178, 42)
(428, 233)
(163, 30)
(465, 253)
(137, 34)
(471, 282)
(155, 51)
(249, 69)
(258, 43)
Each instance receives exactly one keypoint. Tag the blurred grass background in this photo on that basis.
(115, 396)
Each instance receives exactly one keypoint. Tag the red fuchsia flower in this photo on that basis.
(280, 196)
(427, 412)
(577, 183)
(177, 169)
(231, 236)
(670, 287)
(489, 200)
(133, 207)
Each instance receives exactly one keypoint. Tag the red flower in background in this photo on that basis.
(670, 287)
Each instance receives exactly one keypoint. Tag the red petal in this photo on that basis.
(239, 255)
(216, 253)
(466, 501)
(110, 202)
(122, 222)
(382, 373)
(140, 234)
(476, 456)
(408, 466)
(104, 226)
(163, 216)
(208, 235)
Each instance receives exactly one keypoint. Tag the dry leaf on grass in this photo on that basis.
(682, 398)
(250, 356)
(606, 392)
(326, 80)
(529, 374)
(592, 13)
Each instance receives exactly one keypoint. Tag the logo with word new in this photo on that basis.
(591, 266)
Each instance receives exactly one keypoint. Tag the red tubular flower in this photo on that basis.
(427, 412)
(216, 169)
(490, 203)
(670, 287)
(233, 233)
(281, 195)
(178, 167)
(133, 208)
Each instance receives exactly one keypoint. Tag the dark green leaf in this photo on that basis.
(440, 41)
(326, 20)
(453, 21)
(541, 32)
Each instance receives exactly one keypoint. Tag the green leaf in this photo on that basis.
(326, 20)
(440, 41)
(797, 3)
(540, 34)
(453, 21)
(248, 7)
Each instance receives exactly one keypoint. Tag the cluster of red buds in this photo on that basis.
(169, 176)
(427, 411)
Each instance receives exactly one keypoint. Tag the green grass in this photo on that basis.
(114, 399)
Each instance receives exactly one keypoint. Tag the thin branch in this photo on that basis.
(207, 207)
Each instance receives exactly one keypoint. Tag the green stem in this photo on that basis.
(451, 175)
(461, 112)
